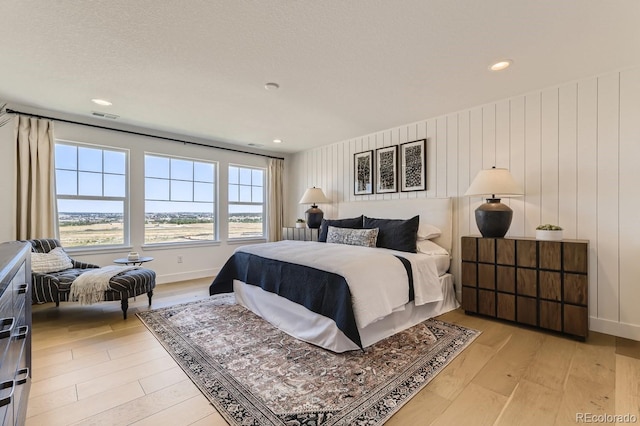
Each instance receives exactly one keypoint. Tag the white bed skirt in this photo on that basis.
(301, 323)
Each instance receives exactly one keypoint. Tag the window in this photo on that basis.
(91, 194)
(246, 202)
(180, 199)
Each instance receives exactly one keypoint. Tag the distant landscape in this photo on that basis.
(83, 229)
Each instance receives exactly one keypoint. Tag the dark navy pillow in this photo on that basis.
(395, 234)
(353, 223)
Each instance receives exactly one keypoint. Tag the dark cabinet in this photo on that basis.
(15, 331)
(539, 283)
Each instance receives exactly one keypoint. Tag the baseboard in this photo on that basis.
(185, 276)
(620, 329)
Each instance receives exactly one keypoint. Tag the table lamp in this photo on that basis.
(314, 214)
(493, 217)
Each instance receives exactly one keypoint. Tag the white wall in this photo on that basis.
(7, 183)
(198, 262)
(575, 150)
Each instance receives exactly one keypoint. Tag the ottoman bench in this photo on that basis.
(56, 286)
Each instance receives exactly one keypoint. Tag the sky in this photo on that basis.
(172, 185)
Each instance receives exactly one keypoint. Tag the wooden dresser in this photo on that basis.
(15, 331)
(538, 283)
(301, 234)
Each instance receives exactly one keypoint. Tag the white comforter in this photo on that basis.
(377, 279)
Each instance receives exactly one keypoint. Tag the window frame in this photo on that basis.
(126, 213)
(215, 201)
(263, 203)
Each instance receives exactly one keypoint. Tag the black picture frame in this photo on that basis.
(413, 166)
(386, 176)
(363, 173)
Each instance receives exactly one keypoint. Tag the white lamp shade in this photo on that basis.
(313, 196)
(497, 182)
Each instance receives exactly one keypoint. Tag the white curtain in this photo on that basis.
(275, 203)
(35, 204)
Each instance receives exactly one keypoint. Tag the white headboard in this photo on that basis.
(435, 211)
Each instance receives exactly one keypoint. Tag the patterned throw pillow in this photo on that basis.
(353, 223)
(352, 237)
(55, 260)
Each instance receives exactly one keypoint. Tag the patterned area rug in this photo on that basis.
(255, 374)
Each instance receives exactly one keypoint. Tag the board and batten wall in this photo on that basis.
(574, 148)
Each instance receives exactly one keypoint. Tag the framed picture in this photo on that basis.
(387, 169)
(413, 166)
(363, 173)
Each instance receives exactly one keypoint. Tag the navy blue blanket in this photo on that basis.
(322, 292)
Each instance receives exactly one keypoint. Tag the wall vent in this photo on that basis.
(105, 115)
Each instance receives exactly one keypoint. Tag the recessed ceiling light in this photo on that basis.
(101, 102)
(501, 65)
(277, 141)
(272, 86)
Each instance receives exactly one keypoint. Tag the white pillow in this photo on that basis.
(430, 248)
(353, 237)
(427, 231)
(55, 260)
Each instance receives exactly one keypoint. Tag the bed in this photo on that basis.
(343, 297)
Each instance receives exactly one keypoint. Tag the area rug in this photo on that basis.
(255, 374)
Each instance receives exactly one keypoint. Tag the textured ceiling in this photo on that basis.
(345, 68)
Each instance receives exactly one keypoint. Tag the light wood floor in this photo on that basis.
(92, 367)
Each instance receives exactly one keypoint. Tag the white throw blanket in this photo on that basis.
(90, 286)
(377, 280)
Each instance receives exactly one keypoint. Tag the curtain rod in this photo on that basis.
(131, 132)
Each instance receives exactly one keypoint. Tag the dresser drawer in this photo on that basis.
(7, 328)
(6, 410)
(21, 390)
(19, 288)
(14, 353)
(6, 303)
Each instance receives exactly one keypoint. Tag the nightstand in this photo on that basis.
(300, 234)
(539, 283)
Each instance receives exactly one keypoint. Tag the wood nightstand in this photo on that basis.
(539, 283)
(301, 234)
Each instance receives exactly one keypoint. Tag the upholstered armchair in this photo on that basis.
(54, 286)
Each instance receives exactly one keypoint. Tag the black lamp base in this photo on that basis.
(314, 217)
(493, 218)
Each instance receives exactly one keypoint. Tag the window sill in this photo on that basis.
(97, 250)
(239, 241)
(171, 246)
